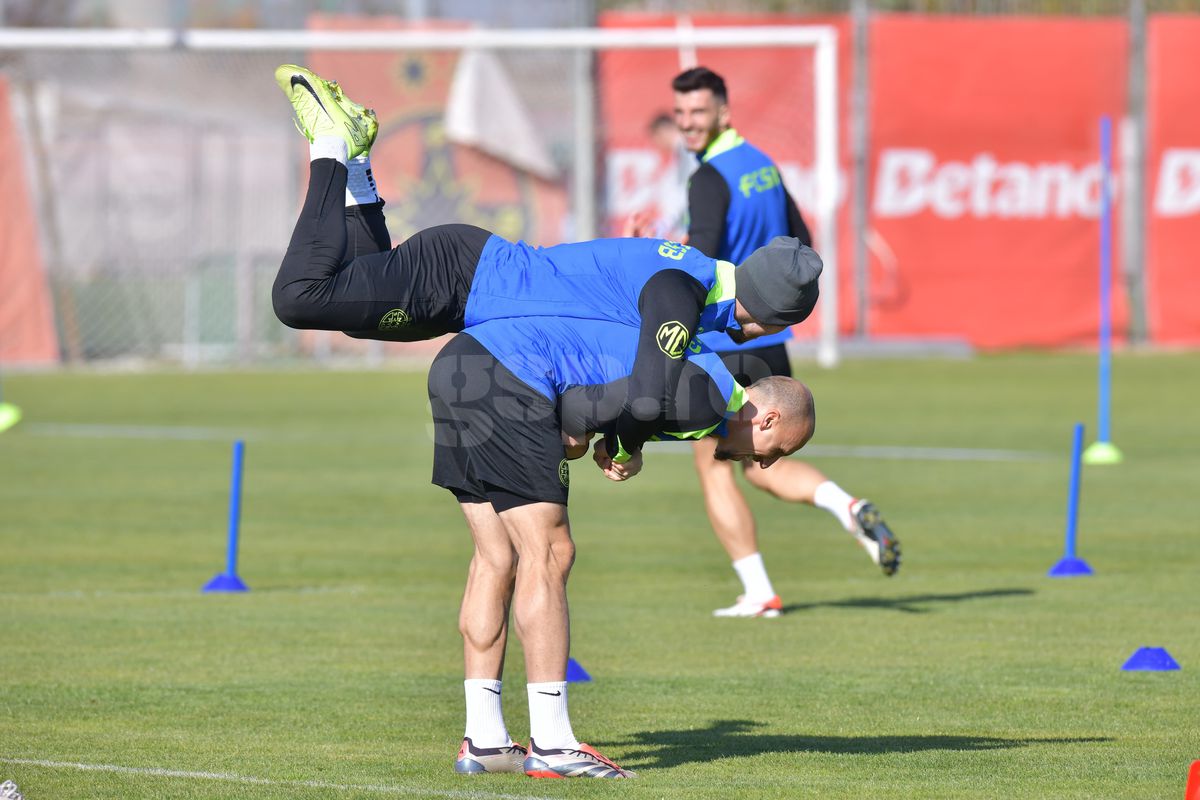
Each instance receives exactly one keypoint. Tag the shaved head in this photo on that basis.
(794, 402)
(777, 419)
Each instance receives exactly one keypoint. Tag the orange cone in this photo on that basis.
(1193, 785)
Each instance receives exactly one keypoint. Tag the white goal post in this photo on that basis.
(821, 38)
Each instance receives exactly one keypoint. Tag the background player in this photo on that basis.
(736, 203)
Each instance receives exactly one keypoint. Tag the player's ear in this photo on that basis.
(723, 115)
(770, 420)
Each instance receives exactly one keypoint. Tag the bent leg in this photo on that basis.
(728, 512)
(792, 481)
(415, 291)
(316, 249)
(483, 618)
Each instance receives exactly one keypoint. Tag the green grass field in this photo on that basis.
(969, 675)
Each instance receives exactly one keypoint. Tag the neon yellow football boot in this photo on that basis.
(320, 113)
(365, 115)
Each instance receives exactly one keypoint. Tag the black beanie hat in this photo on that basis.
(777, 283)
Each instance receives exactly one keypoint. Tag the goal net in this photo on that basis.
(164, 174)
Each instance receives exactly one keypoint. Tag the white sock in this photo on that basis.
(329, 147)
(834, 499)
(485, 717)
(755, 583)
(549, 722)
(360, 183)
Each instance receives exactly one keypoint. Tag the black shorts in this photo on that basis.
(495, 438)
(419, 288)
(747, 366)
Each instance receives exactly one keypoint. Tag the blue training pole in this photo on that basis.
(1073, 493)
(235, 506)
(228, 581)
(1105, 377)
(1070, 565)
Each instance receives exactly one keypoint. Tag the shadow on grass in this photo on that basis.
(910, 604)
(733, 738)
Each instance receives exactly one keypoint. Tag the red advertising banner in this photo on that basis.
(985, 176)
(771, 104)
(1173, 180)
(27, 334)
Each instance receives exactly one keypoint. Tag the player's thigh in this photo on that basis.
(417, 290)
(493, 548)
(540, 530)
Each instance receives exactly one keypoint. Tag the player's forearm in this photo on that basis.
(670, 305)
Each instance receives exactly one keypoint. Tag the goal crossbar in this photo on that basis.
(444, 39)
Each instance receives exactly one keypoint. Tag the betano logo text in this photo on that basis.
(912, 181)
(1178, 190)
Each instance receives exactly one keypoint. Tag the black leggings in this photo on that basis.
(341, 273)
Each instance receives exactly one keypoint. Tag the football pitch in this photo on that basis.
(970, 674)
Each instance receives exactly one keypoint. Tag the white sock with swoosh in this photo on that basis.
(549, 722)
(485, 716)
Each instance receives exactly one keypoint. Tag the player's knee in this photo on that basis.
(562, 554)
(498, 564)
(551, 559)
(294, 307)
(288, 307)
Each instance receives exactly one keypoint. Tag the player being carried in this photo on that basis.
(447, 278)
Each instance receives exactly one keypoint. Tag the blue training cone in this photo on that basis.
(576, 673)
(1070, 567)
(1150, 659)
(224, 582)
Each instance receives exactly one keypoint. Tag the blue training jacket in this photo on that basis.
(757, 213)
(600, 280)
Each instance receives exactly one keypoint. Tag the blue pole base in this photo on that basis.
(1102, 453)
(1070, 568)
(1155, 659)
(225, 582)
(576, 673)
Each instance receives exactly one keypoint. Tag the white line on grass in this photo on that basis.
(924, 453)
(92, 594)
(891, 453)
(86, 431)
(158, 772)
